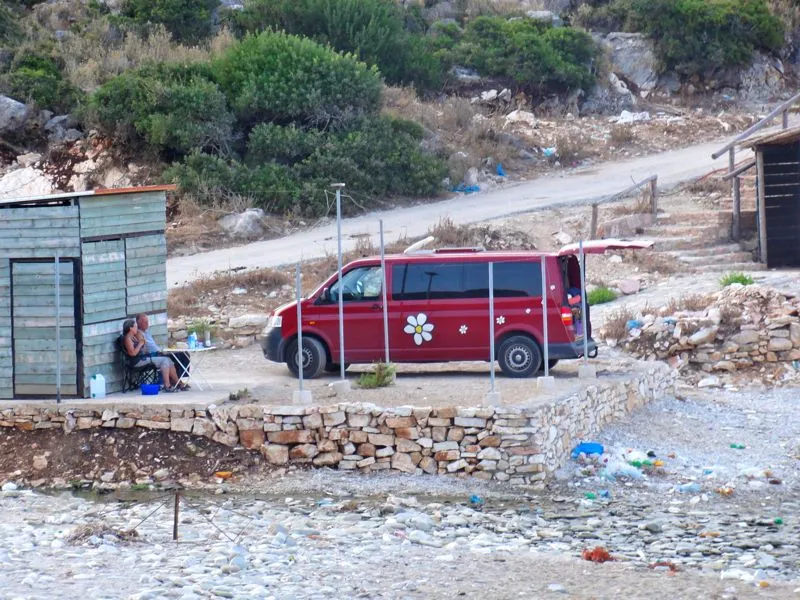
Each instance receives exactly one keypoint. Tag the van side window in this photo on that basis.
(516, 279)
(426, 281)
(359, 284)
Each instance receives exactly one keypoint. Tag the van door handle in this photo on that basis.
(377, 306)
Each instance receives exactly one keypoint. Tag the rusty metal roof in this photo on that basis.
(99, 192)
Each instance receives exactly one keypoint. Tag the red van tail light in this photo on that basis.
(566, 316)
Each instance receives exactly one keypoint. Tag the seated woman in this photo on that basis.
(134, 343)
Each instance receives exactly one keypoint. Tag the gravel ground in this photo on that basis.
(325, 534)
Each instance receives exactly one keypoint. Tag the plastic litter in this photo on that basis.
(587, 448)
(605, 494)
(690, 488)
(634, 324)
(590, 496)
(500, 170)
(778, 521)
(618, 468)
(549, 152)
(599, 555)
(476, 500)
(738, 446)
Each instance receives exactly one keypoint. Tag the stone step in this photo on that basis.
(703, 251)
(680, 242)
(700, 217)
(742, 266)
(719, 259)
(707, 232)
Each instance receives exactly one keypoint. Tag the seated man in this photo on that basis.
(153, 349)
(134, 344)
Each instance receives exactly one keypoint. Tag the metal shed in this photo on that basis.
(778, 196)
(109, 250)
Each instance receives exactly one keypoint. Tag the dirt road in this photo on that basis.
(574, 187)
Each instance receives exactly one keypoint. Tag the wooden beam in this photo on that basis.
(737, 209)
(762, 209)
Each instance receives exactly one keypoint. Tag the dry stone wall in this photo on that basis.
(517, 444)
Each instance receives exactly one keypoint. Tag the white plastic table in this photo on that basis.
(195, 355)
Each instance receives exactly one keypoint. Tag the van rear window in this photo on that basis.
(426, 281)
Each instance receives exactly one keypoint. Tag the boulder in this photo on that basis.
(243, 225)
(254, 321)
(25, 182)
(794, 334)
(275, 454)
(13, 114)
(779, 344)
(763, 79)
(706, 335)
(521, 116)
(629, 286)
(633, 60)
(745, 338)
(29, 159)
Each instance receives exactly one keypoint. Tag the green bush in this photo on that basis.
(735, 277)
(539, 59)
(376, 31)
(189, 21)
(9, 26)
(382, 375)
(175, 109)
(36, 77)
(697, 36)
(601, 295)
(283, 78)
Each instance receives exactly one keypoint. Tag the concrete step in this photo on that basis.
(741, 266)
(679, 242)
(698, 217)
(710, 251)
(719, 259)
(708, 232)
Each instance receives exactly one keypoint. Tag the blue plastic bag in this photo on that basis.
(500, 171)
(587, 448)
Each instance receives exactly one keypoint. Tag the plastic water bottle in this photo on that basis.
(97, 386)
(192, 341)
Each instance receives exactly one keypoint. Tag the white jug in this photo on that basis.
(97, 386)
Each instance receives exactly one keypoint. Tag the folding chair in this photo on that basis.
(134, 376)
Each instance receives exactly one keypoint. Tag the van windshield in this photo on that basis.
(426, 281)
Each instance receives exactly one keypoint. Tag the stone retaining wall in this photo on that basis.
(516, 444)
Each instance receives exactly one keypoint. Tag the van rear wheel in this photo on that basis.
(519, 356)
(314, 357)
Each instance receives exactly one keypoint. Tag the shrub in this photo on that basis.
(174, 108)
(187, 20)
(9, 26)
(283, 78)
(735, 277)
(36, 77)
(601, 295)
(373, 30)
(382, 375)
(537, 58)
(697, 36)
(615, 326)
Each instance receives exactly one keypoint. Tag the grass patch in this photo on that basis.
(381, 376)
(601, 295)
(735, 277)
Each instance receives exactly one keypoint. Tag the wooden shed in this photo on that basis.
(778, 196)
(111, 251)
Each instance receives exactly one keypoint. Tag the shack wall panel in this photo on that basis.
(122, 214)
(6, 361)
(103, 281)
(100, 354)
(146, 274)
(39, 232)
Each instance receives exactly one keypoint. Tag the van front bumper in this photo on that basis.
(571, 350)
(272, 344)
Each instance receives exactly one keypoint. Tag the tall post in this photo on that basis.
(545, 334)
(761, 209)
(737, 208)
(654, 196)
(491, 327)
(584, 320)
(383, 296)
(339, 187)
(175, 516)
(593, 226)
(298, 294)
(57, 270)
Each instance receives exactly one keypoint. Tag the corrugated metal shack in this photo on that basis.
(778, 196)
(111, 253)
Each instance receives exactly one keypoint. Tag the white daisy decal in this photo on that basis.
(463, 330)
(527, 311)
(500, 320)
(419, 328)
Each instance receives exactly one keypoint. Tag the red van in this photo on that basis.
(438, 311)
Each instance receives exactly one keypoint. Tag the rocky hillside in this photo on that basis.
(400, 100)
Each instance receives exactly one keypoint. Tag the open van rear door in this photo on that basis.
(600, 246)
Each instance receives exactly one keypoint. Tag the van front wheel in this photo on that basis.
(314, 357)
(519, 356)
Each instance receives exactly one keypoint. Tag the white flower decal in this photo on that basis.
(419, 328)
(500, 320)
(527, 311)
(463, 330)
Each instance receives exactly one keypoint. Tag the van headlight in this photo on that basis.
(274, 321)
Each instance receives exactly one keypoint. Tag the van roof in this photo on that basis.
(458, 256)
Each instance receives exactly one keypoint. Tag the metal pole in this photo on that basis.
(57, 270)
(383, 293)
(299, 295)
(491, 327)
(339, 187)
(175, 517)
(544, 320)
(584, 319)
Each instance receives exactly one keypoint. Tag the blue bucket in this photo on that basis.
(150, 389)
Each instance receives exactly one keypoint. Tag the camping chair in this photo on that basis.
(132, 376)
